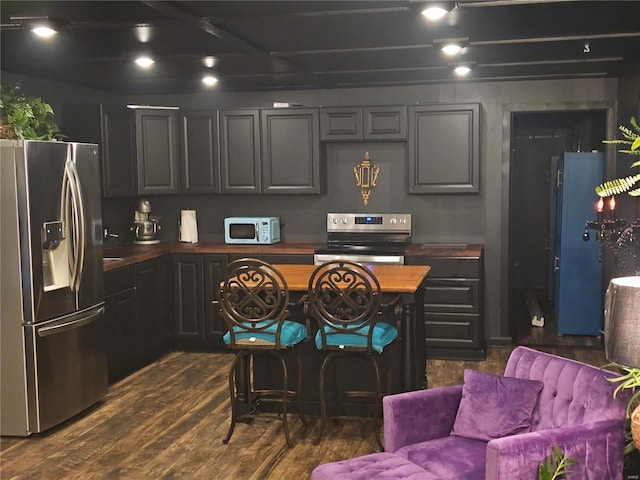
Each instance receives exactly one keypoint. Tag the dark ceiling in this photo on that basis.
(267, 45)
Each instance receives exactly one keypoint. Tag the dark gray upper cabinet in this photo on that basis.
(119, 166)
(384, 123)
(240, 165)
(270, 151)
(340, 124)
(290, 151)
(444, 148)
(363, 123)
(157, 151)
(113, 128)
(199, 152)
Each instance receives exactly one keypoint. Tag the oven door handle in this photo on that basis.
(69, 325)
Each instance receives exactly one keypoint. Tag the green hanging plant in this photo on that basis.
(631, 139)
(27, 118)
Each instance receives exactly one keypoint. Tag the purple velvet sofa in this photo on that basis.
(556, 401)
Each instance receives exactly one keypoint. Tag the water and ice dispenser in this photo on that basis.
(55, 256)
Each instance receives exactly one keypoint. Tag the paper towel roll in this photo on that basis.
(188, 226)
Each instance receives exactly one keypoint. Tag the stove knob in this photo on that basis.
(335, 220)
(403, 220)
(344, 220)
(393, 221)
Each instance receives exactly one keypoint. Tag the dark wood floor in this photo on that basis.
(167, 421)
(546, 336)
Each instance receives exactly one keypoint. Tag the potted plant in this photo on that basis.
(25, 117)
(630, 379)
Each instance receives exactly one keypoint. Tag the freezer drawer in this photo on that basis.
(66, 367)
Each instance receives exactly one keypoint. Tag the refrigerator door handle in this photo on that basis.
(67, 216)
(70, 325)
(81, 246)
(72, 206)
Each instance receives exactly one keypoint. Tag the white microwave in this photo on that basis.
(252, 230)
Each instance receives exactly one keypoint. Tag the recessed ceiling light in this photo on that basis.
(209, 61)
(44, 31)
(451, 48)
(144, 62)
(462, 70)
(209, 80)
(143, 32)
(434, 12)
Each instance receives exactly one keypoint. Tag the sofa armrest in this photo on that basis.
(421, 415)
(598, 449)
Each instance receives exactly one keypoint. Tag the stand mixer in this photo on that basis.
(145, 226)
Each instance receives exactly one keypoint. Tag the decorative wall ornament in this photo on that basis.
(366, 175)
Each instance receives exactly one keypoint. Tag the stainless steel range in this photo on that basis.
(366, 238)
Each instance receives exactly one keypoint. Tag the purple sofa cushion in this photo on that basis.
(449, 457)
(376, 466)
(493, 406)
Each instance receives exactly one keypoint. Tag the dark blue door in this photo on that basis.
(579, 309)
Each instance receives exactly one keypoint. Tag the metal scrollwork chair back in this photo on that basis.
(254, 302)
(345, 299)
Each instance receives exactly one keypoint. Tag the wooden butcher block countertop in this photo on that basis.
(130, 254)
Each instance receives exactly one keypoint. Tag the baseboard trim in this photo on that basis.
(499, 342)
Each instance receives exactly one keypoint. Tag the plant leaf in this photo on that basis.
(617, 186)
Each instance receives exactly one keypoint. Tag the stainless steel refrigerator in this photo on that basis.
(52, 351)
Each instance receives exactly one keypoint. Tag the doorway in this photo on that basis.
(537, 138)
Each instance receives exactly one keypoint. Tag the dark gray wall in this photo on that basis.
(476, 218)
(57, 94)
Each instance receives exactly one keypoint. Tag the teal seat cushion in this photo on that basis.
(291, 334)
(383, 335)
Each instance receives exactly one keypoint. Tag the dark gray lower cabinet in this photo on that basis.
(189, 299)
(138, 313)
(215, 326)
(121, 318)
(154, 305)
(453, 307)
(197, 323)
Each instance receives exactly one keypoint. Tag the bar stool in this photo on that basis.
(345, 300)
(254, 302)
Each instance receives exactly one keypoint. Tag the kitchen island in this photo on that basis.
(401, 282)
(406, 354)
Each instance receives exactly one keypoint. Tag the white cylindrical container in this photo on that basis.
(188, 226)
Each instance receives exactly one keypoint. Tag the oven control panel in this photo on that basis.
(369, 222)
